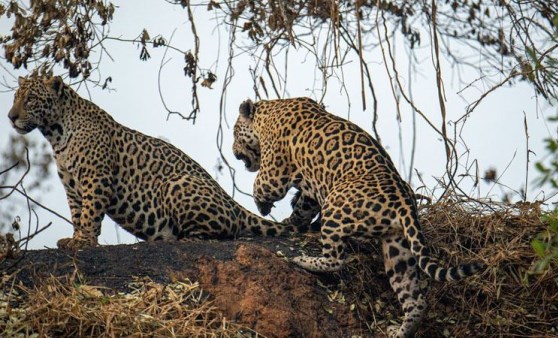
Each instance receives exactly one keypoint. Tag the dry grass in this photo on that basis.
(65, 309)
(506, 300)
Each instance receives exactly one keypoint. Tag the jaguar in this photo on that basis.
(346, 176)
(146, 185)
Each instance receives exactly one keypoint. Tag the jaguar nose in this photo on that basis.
(13, 114)
(239, 156)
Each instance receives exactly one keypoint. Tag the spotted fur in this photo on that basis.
(342, 170)
(149, 187)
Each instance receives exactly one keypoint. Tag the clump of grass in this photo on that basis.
(513, 297)
(57, 308)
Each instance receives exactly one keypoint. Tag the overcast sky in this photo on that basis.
(494, 132)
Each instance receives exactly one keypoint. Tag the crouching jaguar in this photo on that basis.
(149, 187)
(339, 168)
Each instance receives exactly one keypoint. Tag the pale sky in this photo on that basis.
(494, 132)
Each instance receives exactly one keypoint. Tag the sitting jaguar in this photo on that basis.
(149, 187)
(347, 176)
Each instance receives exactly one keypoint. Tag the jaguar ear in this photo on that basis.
(57, 84)
(247, 109)
(20, 80)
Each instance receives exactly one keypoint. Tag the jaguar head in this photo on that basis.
(35, 103)
(246, 146)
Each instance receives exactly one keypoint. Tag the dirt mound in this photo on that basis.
(249, 283)
(273, 298)
(248, 286)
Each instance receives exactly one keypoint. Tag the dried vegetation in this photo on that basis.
(58, 308)
(508, 299)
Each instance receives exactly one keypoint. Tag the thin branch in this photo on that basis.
(359, 34)
(14, 188)
(159, 86)
(439, 84)
(229, 74)
(347, 38)
(167, 45)
(10, 168)
(195, 99)
(414, 124)
(393, 63)
(38, 231)
(527, 155)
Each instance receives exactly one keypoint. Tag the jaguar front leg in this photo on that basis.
(88, 211)
(305, 209)
(74, 201)
(269, 188)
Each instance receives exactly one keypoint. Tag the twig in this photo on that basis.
(38, 231)
(167, 45)
(14, 188)
(451, 174)
(347, 38)
(391, 77)
(229, 73)
(195, 99)
(414, 122)
(527, 154)
(10, 168)
(439, 84)
(163, 63)
(359, 34)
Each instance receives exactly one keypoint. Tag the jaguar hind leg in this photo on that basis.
(403, 273)
(332, 258)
